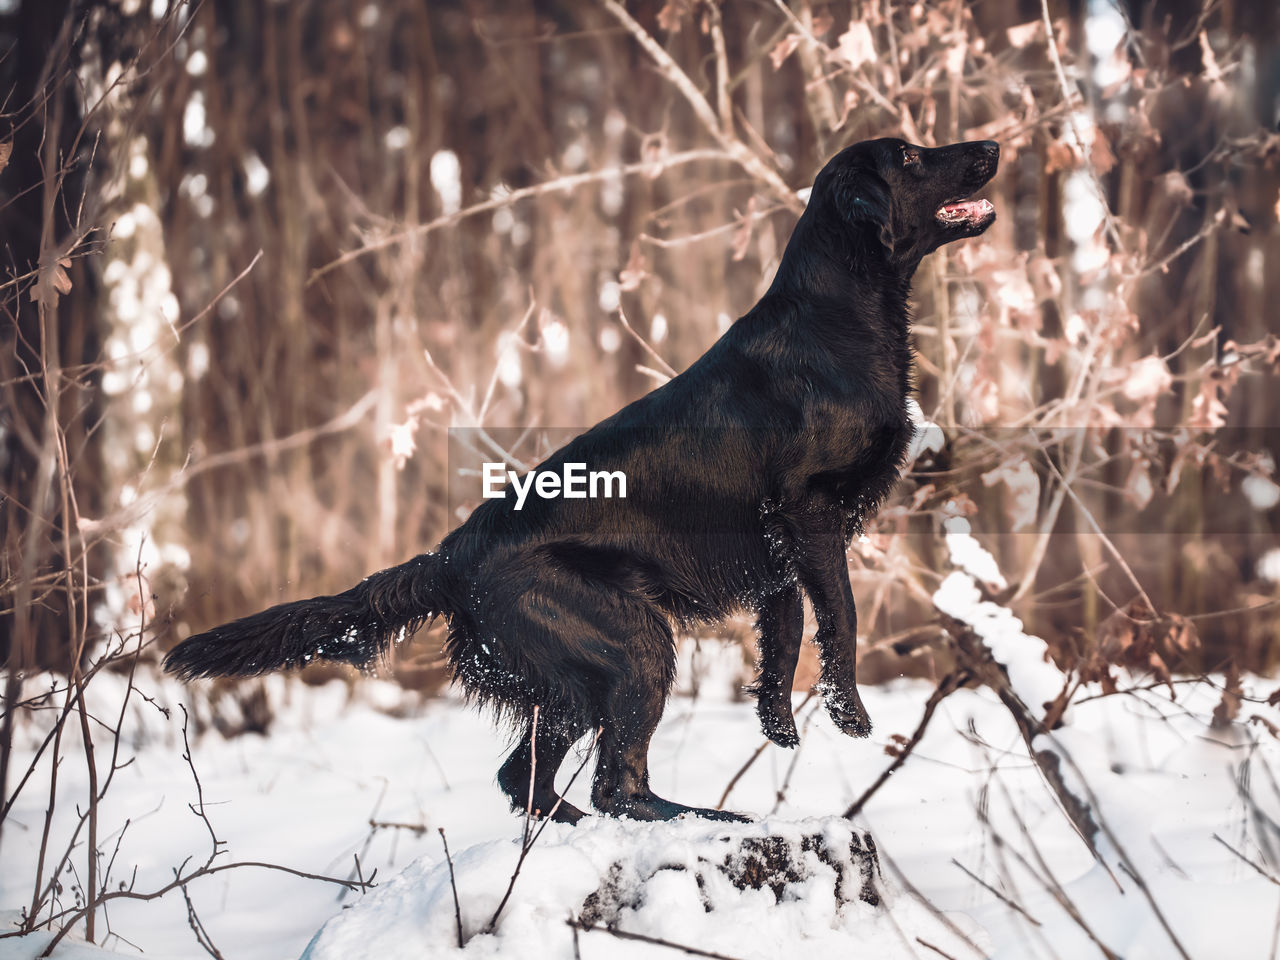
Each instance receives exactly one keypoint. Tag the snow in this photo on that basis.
(1025, 657)
(969, 555)
(446, 178)
(339, 758)
(926, 437)
(1262, 492)
(662, 874)
(1269, 565)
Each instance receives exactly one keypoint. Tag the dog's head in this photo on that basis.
(905, 199)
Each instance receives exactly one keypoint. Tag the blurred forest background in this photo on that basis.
(260, 258)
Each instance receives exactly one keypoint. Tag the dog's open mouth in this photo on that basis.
(973, 212)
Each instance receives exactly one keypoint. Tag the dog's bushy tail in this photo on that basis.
(357, 626)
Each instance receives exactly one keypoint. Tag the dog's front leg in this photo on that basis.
(818, 553)
(781, 626)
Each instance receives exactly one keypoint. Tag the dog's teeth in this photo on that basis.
(964, 210)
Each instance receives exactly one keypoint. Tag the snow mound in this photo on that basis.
(763, 889)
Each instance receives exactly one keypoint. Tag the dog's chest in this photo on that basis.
(862, 448)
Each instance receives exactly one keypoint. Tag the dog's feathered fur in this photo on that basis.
(747, 475)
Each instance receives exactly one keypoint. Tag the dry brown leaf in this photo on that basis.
(1016, 297)
(1212, 72)
(1146, 379)
(1061, 156)
(851, 101)
(1177, 188)
(671, 16)
(984, 397)
(1208, 338)
(635, 271)
(1138, 488)
(61, 280)
(1234, 218)
(1185, 452)
(856, 45)
(1207, 411)
(1025, 34)
(653, 150)
(920, 496)
(6, 151)
(1228, 708)
(1137, 638)
(1023, 504)
(51, 283)
(1101, 154)
(1267, 349)
(1054, 349)
(1264, 722)
(1044, 278)
(783, 49)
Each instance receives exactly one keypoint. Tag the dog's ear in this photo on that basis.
(862, 197)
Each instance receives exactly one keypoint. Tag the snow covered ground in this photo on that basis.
(374, 774)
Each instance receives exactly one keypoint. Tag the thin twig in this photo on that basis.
(724, 106)
(528, 841)
(665, 367)
(1106, 541)
(755, 755)
(914, 892)
(533, 771)
(1007, 901)
(1045, 876)
(1108, 217)
(74, 915)
(642, 938)
(723, 136)
(69, 917)
(568, 786)
(946, 686)
(781, 794)
(559, 184)
(457, 908)
(938, 950)
(733, 781)
(198, 928)
(148, 501)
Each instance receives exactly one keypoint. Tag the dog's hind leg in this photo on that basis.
(781, 625)
(541, 754)
(632, 708)
(595, 654)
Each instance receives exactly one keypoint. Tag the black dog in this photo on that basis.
(747, 475)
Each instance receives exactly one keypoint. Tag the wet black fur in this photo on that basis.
(747, 475)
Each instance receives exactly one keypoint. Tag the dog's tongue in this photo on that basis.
(964, 210)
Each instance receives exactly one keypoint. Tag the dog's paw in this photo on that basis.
(781, 729)
(777, 722)
(848, 713)
(853, 723)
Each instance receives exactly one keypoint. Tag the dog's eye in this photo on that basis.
(910, 158)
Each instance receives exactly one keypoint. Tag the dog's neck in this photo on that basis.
(847, 278)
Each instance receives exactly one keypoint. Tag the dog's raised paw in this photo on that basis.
(852, 720)
(778, 725)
